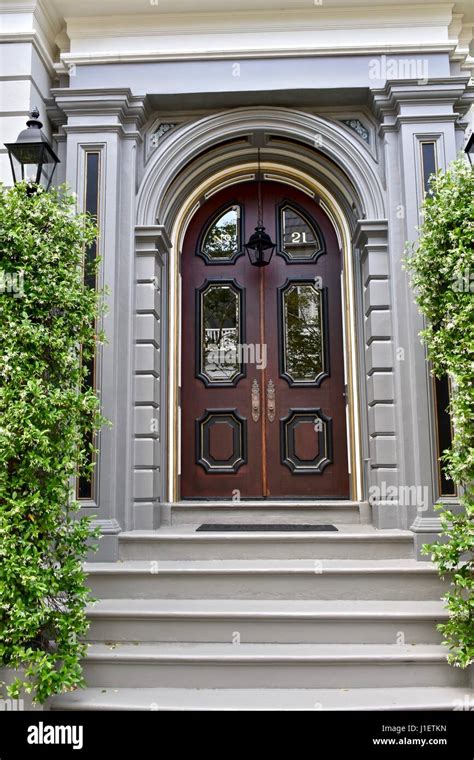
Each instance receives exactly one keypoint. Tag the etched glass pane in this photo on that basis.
(303, 333)
(222, 239)
(299, 239)
(220, 331)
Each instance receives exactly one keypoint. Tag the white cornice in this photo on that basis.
(454, 92)
(313, 19)
(95, 129)
(48, 15)
(195, 55)
(37, 23)
(14, 7)
(129, 110)
(461, 34)
(34, 39)
(236, 34)
(317, 31)
(40, 11)
(186, 7)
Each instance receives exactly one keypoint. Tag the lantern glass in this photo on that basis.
(260, 247)
(31, 157)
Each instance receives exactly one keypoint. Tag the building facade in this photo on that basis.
(301, 381)
(290, 405)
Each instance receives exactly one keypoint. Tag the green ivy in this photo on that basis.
(47, 412)
(442, 269)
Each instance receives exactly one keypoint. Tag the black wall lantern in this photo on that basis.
(469, 149)
(260, 247)
(31, 157)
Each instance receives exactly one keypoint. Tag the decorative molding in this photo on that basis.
(101, 129)
(440, 31)
(224, 33)
(160, 132)
(196, 137)
(38, 43)
(372, 233)
(288, 447)
(461, 33)
(427, 524)
(87, 59)
(392, 103)
(216, 20)
(131, 111)
(38, 23)
(151, 239)
(107, 527)
(357, 127)
(237, 424)
(94, 111)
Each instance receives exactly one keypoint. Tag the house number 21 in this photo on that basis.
(298, 237)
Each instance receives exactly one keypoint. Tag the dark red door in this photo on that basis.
(262, 391)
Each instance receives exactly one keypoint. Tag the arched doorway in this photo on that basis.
(263, 409)
(326, 163)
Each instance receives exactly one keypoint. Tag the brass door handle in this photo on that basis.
(270, 401)
(255, 401)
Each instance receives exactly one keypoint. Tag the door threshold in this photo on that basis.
(300, 502)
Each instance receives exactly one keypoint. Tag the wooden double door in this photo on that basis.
(262, 384)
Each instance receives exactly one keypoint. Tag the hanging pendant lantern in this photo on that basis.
(260, 246)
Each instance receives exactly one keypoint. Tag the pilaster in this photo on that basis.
(108, 122)
(152, 245)
(371, 239)
(411, 113)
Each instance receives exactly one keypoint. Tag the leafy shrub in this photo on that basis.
(442, 267)
(47, 412)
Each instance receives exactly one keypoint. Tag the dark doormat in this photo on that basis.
(262, 528)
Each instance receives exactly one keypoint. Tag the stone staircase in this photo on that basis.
(238, 621)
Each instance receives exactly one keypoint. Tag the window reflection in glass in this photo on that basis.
(222, 239)
(303, 333)
(299, 239)
(220, 333)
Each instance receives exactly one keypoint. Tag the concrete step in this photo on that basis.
(265, 621)
(260, 511)
(291, 666)
(266, 579)
(399, 698)
(183, 542)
